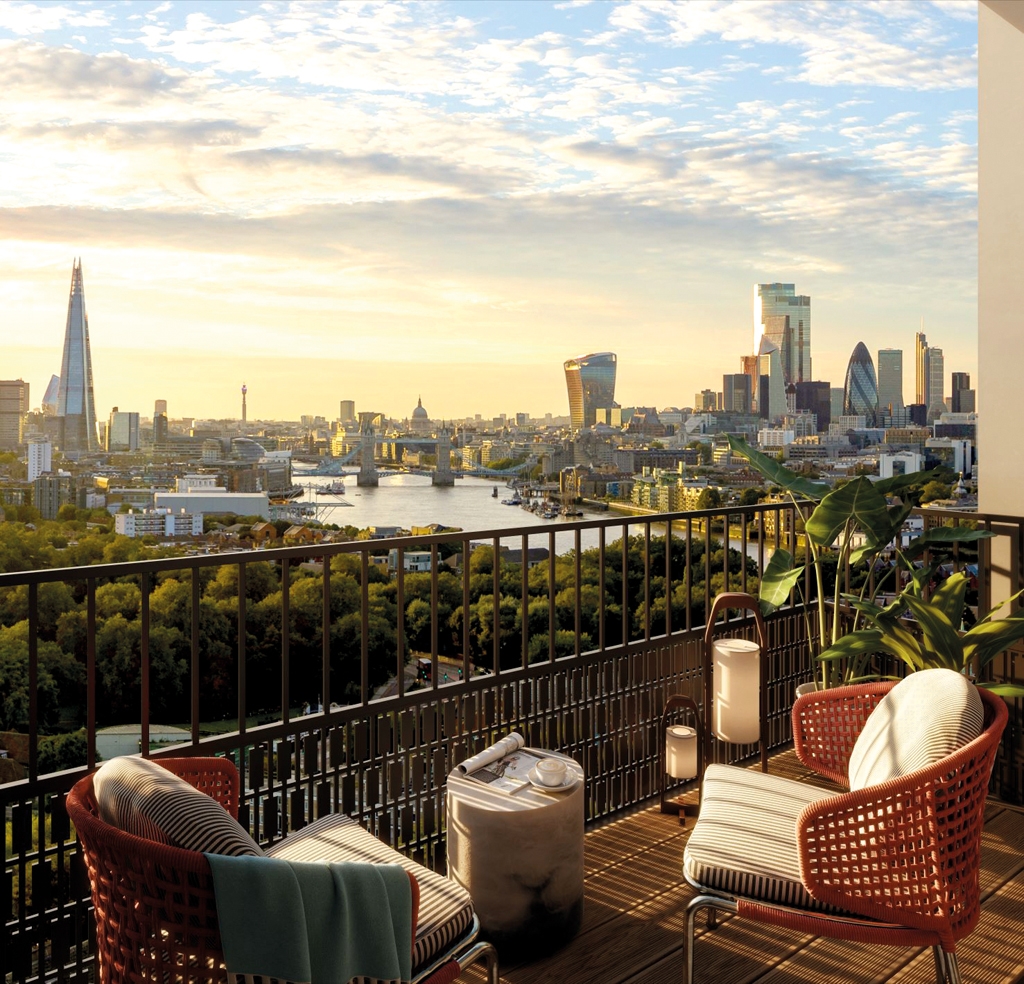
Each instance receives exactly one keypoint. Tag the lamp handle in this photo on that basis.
(741, 601)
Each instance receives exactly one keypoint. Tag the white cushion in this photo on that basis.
(925, 717)
(142, 798)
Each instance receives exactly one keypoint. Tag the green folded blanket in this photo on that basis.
(322, 923)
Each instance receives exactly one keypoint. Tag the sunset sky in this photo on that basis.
(380, 201)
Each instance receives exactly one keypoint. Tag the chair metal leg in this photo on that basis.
(952, 968)
(940, 965)
(485, 952)
(712, 903)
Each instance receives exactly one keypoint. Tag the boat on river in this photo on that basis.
(337, 487)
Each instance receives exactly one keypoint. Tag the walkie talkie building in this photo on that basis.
(76, 405)
(590, 380)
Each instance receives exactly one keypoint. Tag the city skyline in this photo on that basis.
(452, 199)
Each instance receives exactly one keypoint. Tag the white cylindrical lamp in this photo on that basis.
(736, 679)
(681, 751)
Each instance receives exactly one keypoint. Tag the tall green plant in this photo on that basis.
(833, 519)
(928, 633)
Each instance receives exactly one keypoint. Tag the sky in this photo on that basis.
(446, 200)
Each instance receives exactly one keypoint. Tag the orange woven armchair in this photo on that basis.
(895, 863)
(154, 905)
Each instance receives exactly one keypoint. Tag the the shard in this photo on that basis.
(76, 405)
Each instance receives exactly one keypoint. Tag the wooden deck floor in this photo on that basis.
(635, 910)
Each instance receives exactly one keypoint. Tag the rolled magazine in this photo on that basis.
(504, 766)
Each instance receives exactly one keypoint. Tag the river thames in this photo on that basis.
(410, 500)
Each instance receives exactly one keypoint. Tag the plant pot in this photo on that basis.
(807, 688)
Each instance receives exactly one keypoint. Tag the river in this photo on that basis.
(410, 500)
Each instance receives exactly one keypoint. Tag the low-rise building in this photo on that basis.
(158, 522)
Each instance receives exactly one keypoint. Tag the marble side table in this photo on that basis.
(520, 857)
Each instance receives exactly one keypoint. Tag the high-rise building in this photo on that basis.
(836, 396)
(936, 384)
(921, 368)
(771, 391)
(590, 380)
(40, 458)
(736, 397)
(13, 407)
(963, 395)
(123, 431)
(816, 397)
(76, 406)
(890, 379)
(785, 317)
(931, 370)
(705, 400)
(49, 404)
(861, 391)
(347, 411)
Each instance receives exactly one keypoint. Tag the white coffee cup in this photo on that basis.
(551, 771)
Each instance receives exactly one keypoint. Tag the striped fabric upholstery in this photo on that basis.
(745, 841)
(445, 913)
(143, 798)
(925, 717)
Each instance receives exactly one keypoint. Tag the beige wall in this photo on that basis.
(1001, 255)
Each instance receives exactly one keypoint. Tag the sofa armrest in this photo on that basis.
(827, 723)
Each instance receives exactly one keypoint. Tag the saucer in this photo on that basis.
(569, 781)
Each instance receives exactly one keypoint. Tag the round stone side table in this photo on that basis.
(520, 857)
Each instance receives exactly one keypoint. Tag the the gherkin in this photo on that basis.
(860, 396)
(76, 405)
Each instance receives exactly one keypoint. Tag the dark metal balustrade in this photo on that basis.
(384, 760)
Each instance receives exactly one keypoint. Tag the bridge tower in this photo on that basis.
(443, 473)
(367, 466)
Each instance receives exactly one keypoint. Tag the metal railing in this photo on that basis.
(580, 653)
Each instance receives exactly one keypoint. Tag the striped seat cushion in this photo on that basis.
(445, 913)
(745, 842)
(142, 798)
(925, 717)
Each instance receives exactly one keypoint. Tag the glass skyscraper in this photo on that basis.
(890, 379)
(860, 397)
(76, 405)
(590, 380)
(784, 317)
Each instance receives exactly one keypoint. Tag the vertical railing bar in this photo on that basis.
(647, 581)
(286, 632)
(601, 575)
(688, 573)
(525, 601)
(625, 583)
(144, 658)
(467, 659)
(33, 687)
(707, 568)
(579, 590)
(668, 578)
(435, 588)
(364, 625)
(744, 540)
(551, 596)
(325, 650)
(496, 609)
(196, 689)
(90, 671)
(400, 614)
(240, 669)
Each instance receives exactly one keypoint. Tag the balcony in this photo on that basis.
(556, 660)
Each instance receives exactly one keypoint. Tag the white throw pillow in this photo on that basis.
(925, 717)
(143, 798)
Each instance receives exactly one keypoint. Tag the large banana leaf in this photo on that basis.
(776, 472)
(863, 642)
(890, 486)
(943, 537)
(1004, 689)
(986, 640)
(939, 636)
(897, 516)
(858, 501)
(949, 596)
(778, 579)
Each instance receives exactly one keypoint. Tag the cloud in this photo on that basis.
(30, 70)
(27, 19)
